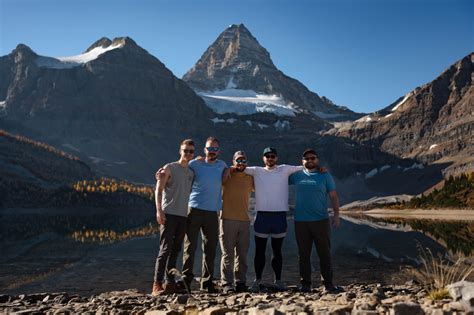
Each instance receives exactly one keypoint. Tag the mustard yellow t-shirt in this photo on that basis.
(236, 196)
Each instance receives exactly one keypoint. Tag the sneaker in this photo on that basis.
(333, 289)
(255, 286)
(279, 285)
(240, 287)
(305, 288)
(157, 288)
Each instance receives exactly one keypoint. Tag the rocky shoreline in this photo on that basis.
(358, 299)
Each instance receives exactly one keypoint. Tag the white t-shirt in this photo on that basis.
(271, 186)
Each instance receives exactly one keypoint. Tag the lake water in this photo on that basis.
(88, 251)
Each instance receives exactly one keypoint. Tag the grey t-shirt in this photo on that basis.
(177, 190)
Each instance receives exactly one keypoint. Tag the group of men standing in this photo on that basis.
(204, 195)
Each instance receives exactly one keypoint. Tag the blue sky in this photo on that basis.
(361, 54)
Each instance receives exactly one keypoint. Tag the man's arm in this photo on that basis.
(162, 178)
(250, 170)
(336, 222)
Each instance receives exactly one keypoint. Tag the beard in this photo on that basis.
(211, 156)
(240, 168)
(270, 163)
(310, 165)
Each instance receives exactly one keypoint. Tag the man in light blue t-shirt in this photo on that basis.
(312, 218)
(204, 203)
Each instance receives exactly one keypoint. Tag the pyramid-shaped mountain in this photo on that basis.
(237, 75)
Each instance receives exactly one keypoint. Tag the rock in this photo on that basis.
(364, 312)
(217, 310)
(406, 308)
(463, 291)
(4, 298)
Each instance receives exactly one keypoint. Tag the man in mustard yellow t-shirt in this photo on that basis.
(235, 225)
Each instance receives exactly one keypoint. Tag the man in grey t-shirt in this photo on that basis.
(171, 199)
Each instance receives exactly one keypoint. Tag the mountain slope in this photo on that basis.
(432, 123)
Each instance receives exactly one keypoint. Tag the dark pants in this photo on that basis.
(319, 233)
(171, 239)
(277, 258)
(207, 223)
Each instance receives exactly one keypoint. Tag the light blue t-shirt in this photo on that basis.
(207, 185)
(311, 195)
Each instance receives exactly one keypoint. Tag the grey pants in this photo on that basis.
(171, 239)
(234, 240)
(319, 233)
(207, 223)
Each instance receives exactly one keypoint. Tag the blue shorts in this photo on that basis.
(270, 224)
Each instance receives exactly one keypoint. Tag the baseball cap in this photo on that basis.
(270, 150)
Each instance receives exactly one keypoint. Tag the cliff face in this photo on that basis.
(433, 123)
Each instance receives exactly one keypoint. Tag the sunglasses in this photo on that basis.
(270, 156)
(188, 151)
(310, 158)
(241, 161)
(212, 149)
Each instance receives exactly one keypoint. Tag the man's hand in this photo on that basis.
(160, 217)
(160, 174)
(200, 158)
(335, 221)
(322, 169)
(226, 175)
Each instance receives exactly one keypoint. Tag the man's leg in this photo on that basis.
(259, 260)
(210, 237)
(166, 240)
(321, 231)
(242, 248)
(179, 230)
(277, 259)
(193, 224)
(305, 246)
(228, 238)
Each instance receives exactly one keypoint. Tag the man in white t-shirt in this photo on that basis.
(271, 204)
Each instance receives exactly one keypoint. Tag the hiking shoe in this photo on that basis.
(157, 288)
(240, 287)
(255, 286)
(279, 285)
(305, 288)
(333, 289)
(228, 289)
(210, 288)
(182, 287)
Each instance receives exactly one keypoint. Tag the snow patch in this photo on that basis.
(231, 84)
(3, 108)
(261, 126)
(249, 123)
(372, 173)
(96, 160)
(419, 166)
(432, 146)
(231, 120)
(74, 61)
(70, 146)
(121, 163)
(3, 104)
(366, 118)
(282, 125)
(388, 115)
(217, 120)
(385, 167)
(247, 102)
(402, 101)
